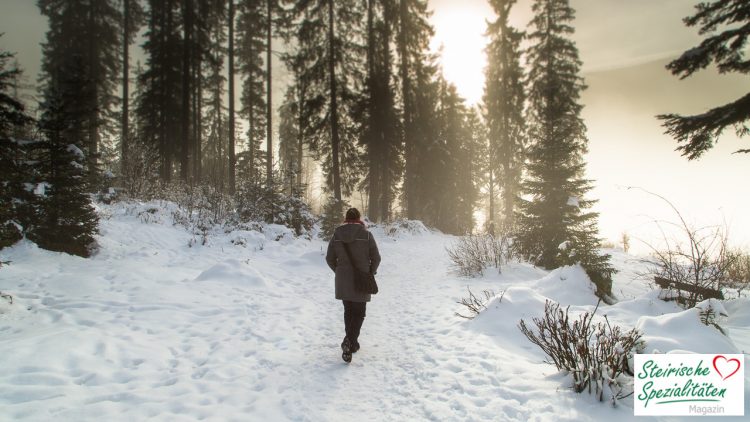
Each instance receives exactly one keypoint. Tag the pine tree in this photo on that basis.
(504, 101)
(380, 135)
(133, 17)
(251, 56)
(423, 131)
(415, 71)
(66, 221)
(87, 32)
(216, 125)
(329, 48)
(726, 48)
(288, 137)
(555, 227)
(160, 107)
(15, 200)
(448, 182)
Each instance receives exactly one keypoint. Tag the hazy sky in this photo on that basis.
(624, 46)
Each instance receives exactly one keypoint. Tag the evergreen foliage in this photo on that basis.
(380, 123)
(332, 217)
(445, 174)
(289, 143)
(215, 118)
(159, 108)
(329, 58)
(65, 221)
(15, 199)
(504, 99)
(250, 53)
(416, 69)
(726, 24)
(554, 226)
(81, 45)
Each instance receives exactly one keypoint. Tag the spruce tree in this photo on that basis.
(448, 182)
(288, 142)
(251, 51)
(329, 51)
(415, 68)
(216, 119)
(133, 16)
(160, 107)
(15, 199)
(555, 227)
(88, 32)
(66, 221)
(727, 26)
(380, 134)
(504, 102)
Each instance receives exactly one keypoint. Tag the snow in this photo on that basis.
(246, 327)
(75, 151)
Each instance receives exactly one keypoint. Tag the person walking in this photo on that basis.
(353, 235)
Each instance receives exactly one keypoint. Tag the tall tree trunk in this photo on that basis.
(232, 158)
(269, 107)
(185, 143)
(93, 111)
(408, 111)
(334, 106)
(492, 194)
(125, 131)
(197, 117)
(387, 112)
(219, 141)
(374, 146)
(169, 146)
(300, 136)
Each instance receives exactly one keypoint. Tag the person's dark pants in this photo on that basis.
(354, 316)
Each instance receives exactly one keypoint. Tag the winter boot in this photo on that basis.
(346, 348)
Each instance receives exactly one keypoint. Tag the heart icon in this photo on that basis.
(726, 365)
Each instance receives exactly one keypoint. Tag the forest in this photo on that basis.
(366, 111)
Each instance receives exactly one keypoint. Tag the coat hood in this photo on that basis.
(347, 232)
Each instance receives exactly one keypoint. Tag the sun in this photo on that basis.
(459, 36)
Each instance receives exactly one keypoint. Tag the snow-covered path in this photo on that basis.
(151, 328)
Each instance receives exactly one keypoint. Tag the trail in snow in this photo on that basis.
(151, 328)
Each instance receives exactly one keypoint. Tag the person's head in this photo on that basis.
(353, 214)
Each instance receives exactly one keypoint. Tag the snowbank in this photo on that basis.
(683, 332)
(233, 271)
(568, 286)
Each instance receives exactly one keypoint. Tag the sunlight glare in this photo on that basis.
(459, 32)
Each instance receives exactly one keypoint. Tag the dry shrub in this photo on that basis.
(597, 355)
(476, 304)
(472, 254)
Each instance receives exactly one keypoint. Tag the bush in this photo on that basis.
(737, 274)
(203, 208)
(711, 312)
(472, 254)
(258, 203)
(139, 177)
(596, 355)
(694, 261)
(476, 305)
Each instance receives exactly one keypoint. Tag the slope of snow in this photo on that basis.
(246, 327)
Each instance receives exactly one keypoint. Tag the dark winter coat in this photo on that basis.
(366, 257)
